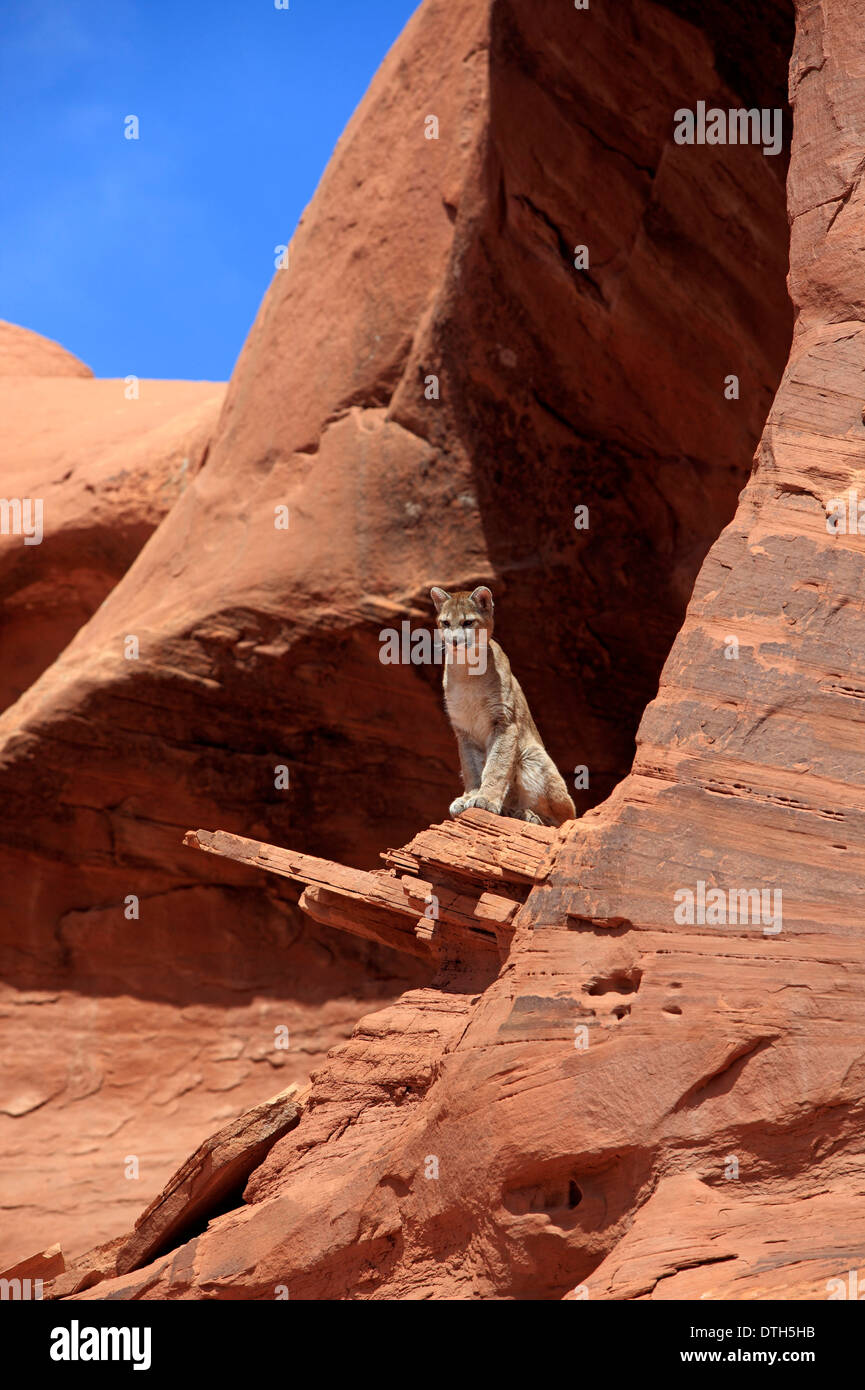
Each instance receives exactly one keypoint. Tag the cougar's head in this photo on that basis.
(464, 619)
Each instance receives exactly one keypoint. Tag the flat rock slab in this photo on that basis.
(219, 1165)
(46, 1264)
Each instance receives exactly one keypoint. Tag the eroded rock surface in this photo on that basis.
(430, 388)
(641, 1105)
(526, 1130)
(105, 468)
(209, 1177)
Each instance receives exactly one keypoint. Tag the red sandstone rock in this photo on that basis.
(448, 258)
(44, 1265)
(106, 471)
(748, 1249)
(86, 1270)
(632, 1106)
(219, 1166)
(27, 354)
(90, 1080)
(446, 914)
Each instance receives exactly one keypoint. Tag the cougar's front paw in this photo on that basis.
(480, 803)
(531, 817)
(473, 800)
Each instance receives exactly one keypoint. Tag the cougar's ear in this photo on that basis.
(482, 599)
(439, 597)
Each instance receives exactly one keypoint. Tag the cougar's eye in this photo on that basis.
(445, 622)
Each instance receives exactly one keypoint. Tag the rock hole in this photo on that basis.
(619, 982)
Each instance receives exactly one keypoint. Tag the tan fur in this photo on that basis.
(505, 767)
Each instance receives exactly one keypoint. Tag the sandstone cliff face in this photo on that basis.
(631, 1103)
(451, 259)
(105, 466)
(106, 469)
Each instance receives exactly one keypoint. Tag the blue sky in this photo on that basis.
(151, 256)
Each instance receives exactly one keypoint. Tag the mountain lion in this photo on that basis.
(505, 767)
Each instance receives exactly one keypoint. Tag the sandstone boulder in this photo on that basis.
(219, 1167)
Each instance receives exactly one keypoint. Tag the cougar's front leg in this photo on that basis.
(498, 772)
(472, 766)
